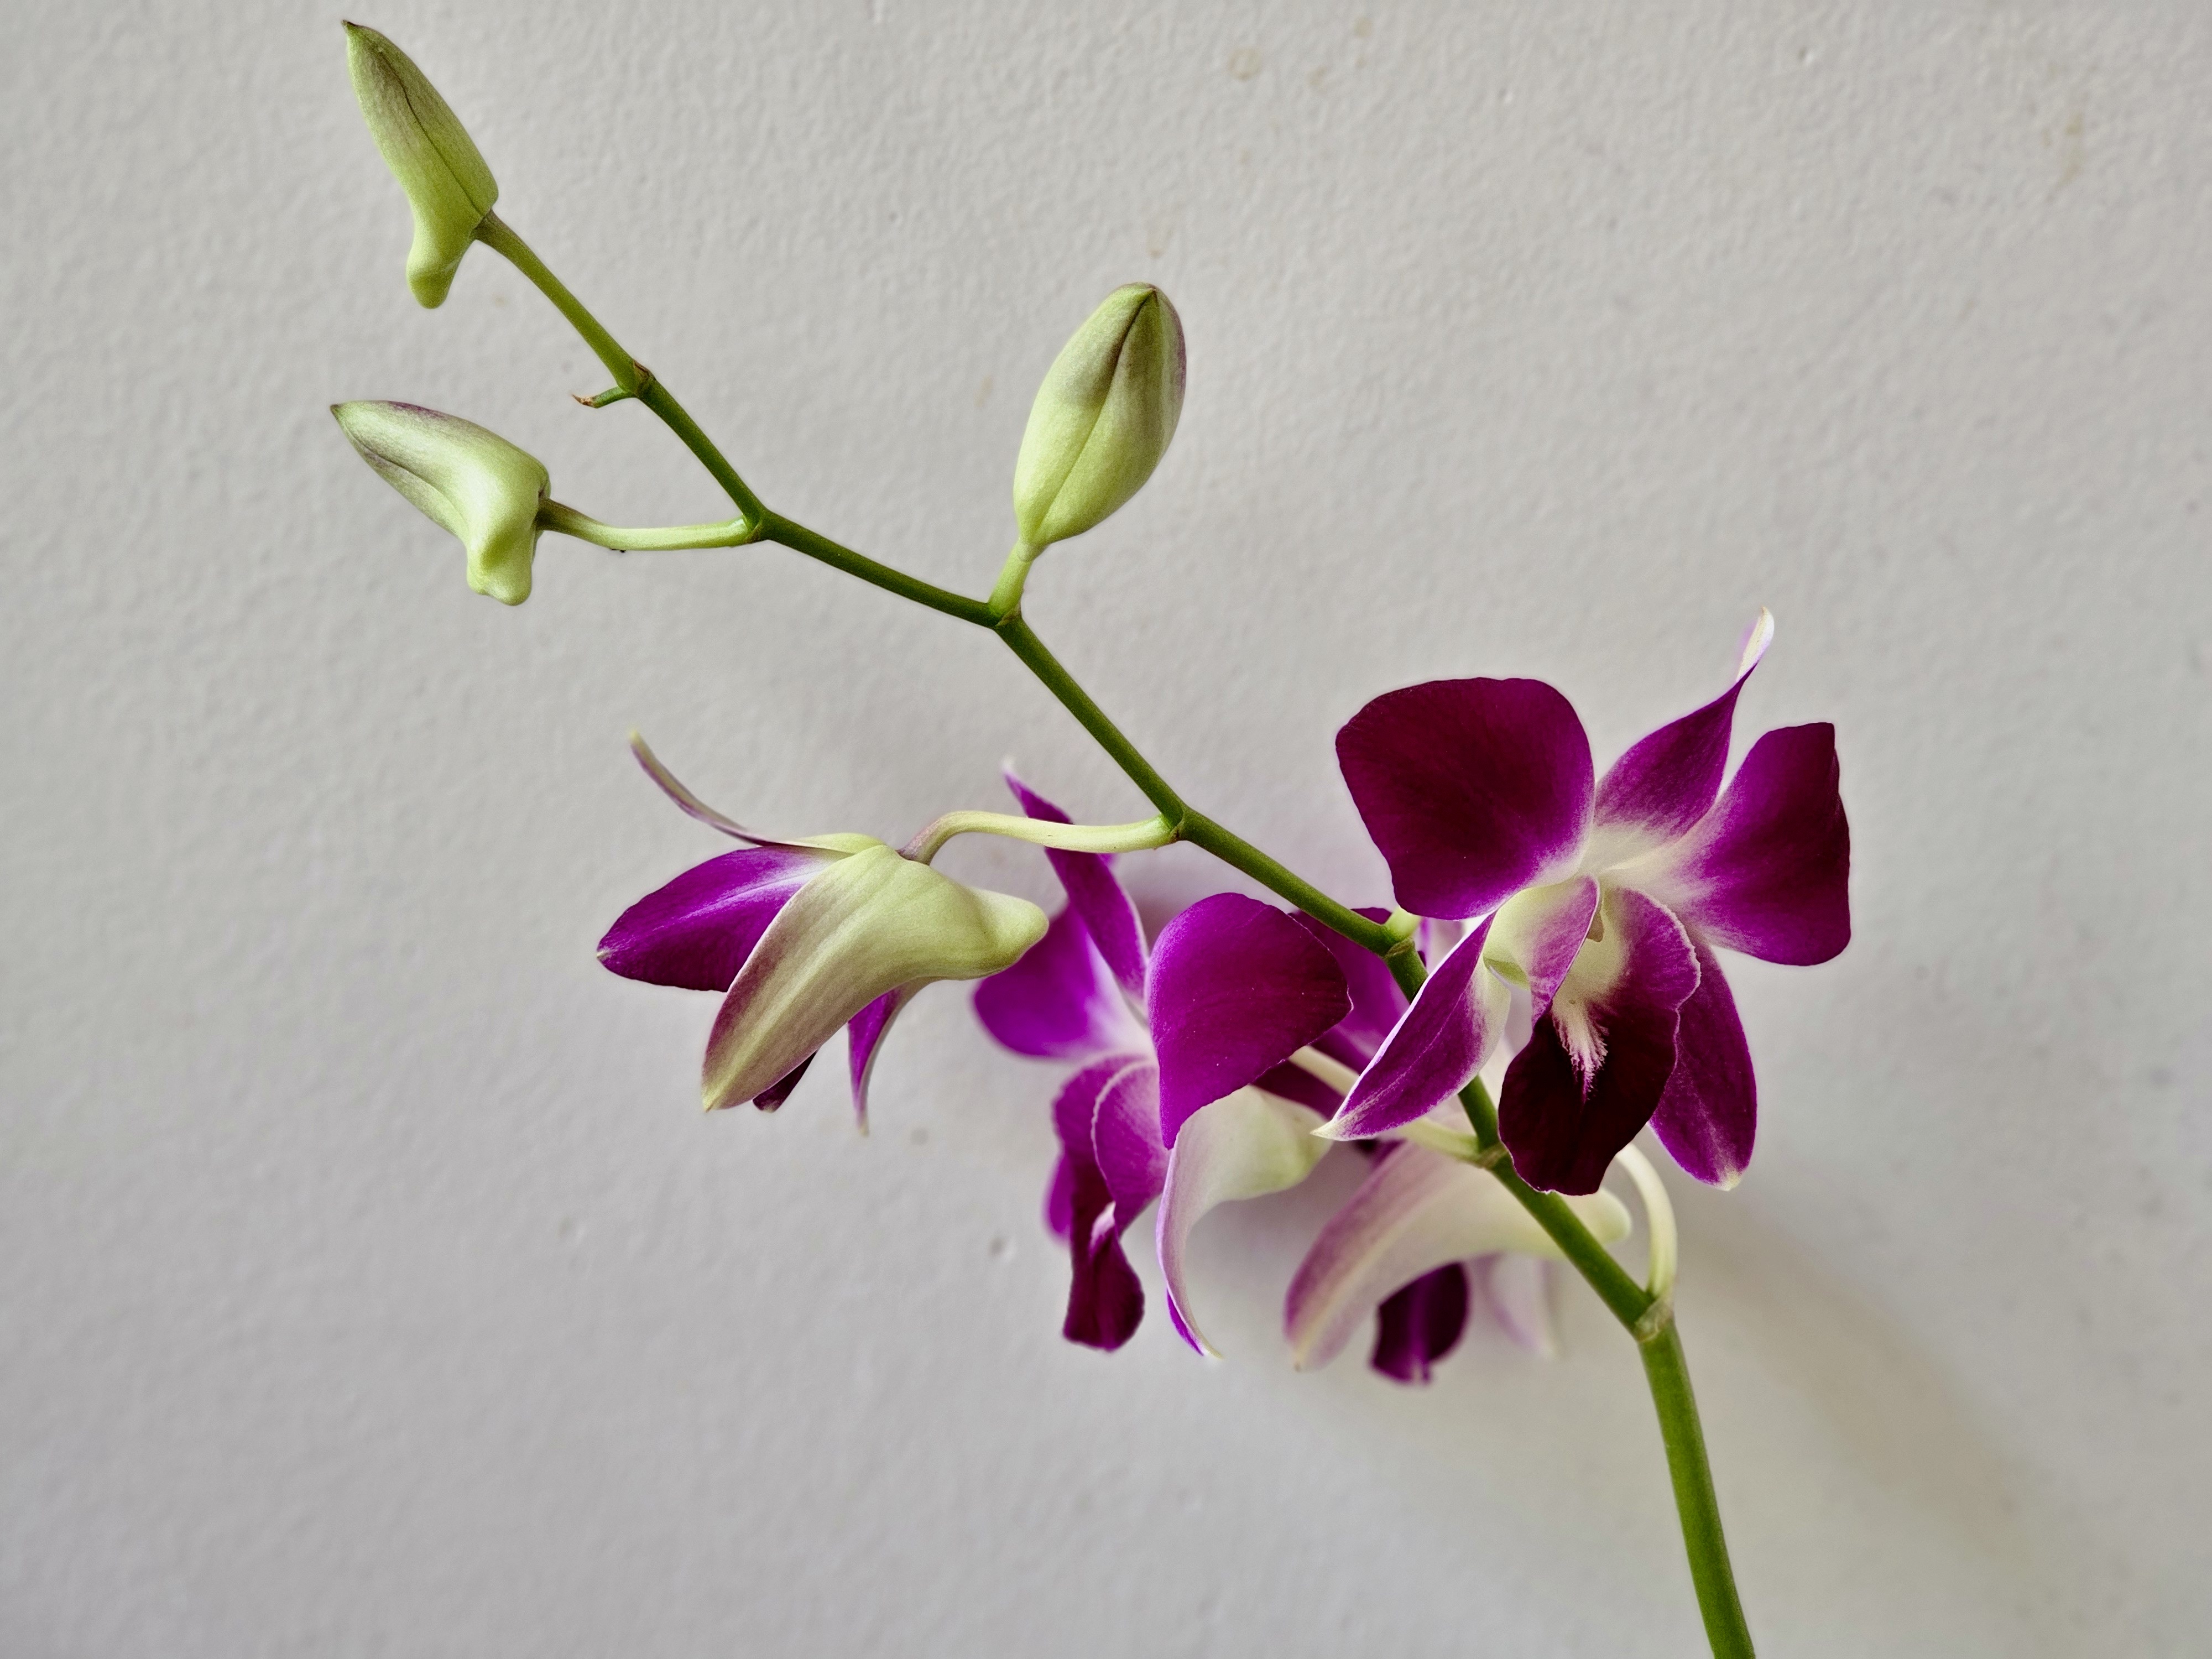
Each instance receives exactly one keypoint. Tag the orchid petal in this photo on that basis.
(1416, 1211)
(777, 1092)
(1377, 1000)
(1237, 987)
(1593, 1069)
(1519, 1291)
(1472, 789)
(868, 923)
(1767, 871)
(696, 932)
(1105, 1302)
(673, 787)
(1665, 783)
(1245, 1145)
(1125, 1141)
(864, 1037)
(1094, 894)
(1709, 1115)
(1059, 1002)
(1536, 934)
(1440, 1042)
(1419, 1324)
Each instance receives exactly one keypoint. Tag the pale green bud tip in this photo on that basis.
(428, 151)
(1102, 418)
(469, 481)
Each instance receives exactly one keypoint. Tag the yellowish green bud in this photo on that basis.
(471, 481)
(428, 151)
(1102, 418)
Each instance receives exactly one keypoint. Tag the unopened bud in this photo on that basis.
(472, 482)
(1102, 418)
(428, 151)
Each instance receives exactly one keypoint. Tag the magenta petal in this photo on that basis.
(1709, 1114)
(1236, 989)
(1566, 1111)
(1095, 895)
(1125, 1139)
(697, 930)
(1472, 789)
(1105, 1302)
(1376, 1000)
(1418, 1326)
(864, 1036)
(1059, 1002)
(1440, 1043)
(1059, 1199)
(1666, 782)
(1768, 872)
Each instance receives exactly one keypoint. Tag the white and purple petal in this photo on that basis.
(1095, 895)
(696, 932)
(1537, 933)
(1060, 1001)
(1125, 1141)
(1237, 987)
(1708, 1116)
(1517, 1289)
(1595, 1065)
(1767, 871)
(1246, 1145)
(1472, 789)
(1435, 1047)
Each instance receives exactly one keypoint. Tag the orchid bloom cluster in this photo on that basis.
(1547, 985)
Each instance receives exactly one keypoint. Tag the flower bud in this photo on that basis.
(1102, 418)
(428, 151)
(472, 482)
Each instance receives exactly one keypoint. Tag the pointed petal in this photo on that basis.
(1518, 1289)
(1417, 1326)
(867, 923)
(1472, 789)
(864, 1037)
(1059, 1002)
(1237, 987)
(1440, 1043)
(777, 1092)
(673, 787)
(1416, 1211)
(1246, 1145)
(1709, 1115)
(1094, 894)
(697, 930)
(1667, 782)
(1536, 935)
(1595, 1066)
(1768, 871)
(1125, 1141)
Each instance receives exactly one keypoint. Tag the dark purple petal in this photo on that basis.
(864, 1036)
(1595, 1067)
(1418, 1326)
(779, 1091)
(1709, 1115)
(1472, 789)
(1105, 1302)
(1440, 1043)
(1768, 871)
(1125, 1141)
(697, 930)
(1095, 895)
(1376, 1000)
(1059, 1002)
(1236, 989)
(1666, 782)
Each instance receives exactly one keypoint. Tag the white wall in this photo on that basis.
(372, 1284)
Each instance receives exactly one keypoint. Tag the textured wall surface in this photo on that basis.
(371, 1281)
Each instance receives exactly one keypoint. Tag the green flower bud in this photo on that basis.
(472, 482)
(1102, 418)
(428, 151)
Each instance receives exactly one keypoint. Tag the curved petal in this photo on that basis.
(1094, 894)
(674, 787)
(1768, 871)
(1105, 1302)
(1246, 1145)
(696, 932)
(1472, 789)
(864, 1036)
(1237, 987)
(1518, 1289)
(869, 922)
(1709, 1115)
(1125, 1141)
(1416, 1211)
(1665, 783)
(773, 1097)
(1417, 1326)
(1594, 1067)
(1060, 1001)
(1442, 1041)
(1376, 1000)
(1536, 935)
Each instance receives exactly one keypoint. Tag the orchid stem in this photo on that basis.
(1648, 1318)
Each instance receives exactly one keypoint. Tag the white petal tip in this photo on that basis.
(1755, 642)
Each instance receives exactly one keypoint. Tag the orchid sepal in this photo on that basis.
(470, 482)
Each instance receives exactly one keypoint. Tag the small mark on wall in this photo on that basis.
(1244, 63)
(983, 393)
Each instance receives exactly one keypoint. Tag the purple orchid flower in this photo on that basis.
(801, 937)
(1603, 899)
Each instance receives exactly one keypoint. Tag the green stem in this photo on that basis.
(567, 521)
(1694, 1498)
(799, 540)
